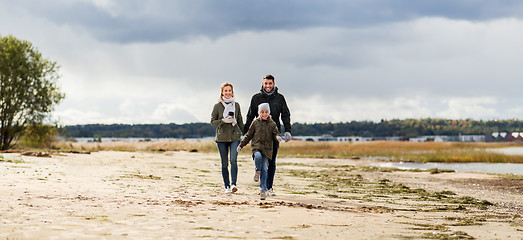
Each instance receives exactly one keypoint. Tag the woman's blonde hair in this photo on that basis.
(221, 90)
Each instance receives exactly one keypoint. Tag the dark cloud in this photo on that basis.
(158, 21)
(333, 60)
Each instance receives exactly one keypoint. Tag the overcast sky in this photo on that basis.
(159, 61)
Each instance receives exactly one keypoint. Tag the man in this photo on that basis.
(278, 105)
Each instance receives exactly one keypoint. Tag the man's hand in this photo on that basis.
(287, 136)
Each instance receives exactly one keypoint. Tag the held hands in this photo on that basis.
(287, 136)
(238, 149)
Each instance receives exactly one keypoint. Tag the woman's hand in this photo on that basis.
(228, 119)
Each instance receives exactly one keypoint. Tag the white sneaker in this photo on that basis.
(270, 192)
(263, 195)
(234, 188)
(257, 176)
(227, 190)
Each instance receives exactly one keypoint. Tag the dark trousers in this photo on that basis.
(272, 164)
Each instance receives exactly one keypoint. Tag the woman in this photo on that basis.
(226, 115)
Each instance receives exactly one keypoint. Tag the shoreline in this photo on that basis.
(515, 169)
(112, 195)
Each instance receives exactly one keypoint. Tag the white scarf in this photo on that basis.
(230, 106)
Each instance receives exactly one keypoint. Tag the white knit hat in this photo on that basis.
(263, 106)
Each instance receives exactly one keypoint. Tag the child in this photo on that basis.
(263, 132)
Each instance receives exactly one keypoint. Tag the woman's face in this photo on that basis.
(227, 92)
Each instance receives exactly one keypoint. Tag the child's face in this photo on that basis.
(264, 114)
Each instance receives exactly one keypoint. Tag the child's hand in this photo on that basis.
(238, 149)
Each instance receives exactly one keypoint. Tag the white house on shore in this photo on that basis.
(329, 138)
(354, 139)
(434, 138)
(443, 138)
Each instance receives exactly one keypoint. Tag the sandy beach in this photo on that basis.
(180, 195)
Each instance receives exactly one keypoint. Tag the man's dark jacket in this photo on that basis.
(278, 107)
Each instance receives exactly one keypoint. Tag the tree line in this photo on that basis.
(385, 128)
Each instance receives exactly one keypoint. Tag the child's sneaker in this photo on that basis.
(234, 188)
(227, 190)
(270, 192)
(257, 176)
(263, 195)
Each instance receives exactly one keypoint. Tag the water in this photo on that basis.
(502, 168)
(508, 150)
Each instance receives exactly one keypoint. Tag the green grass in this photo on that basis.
(337, 183)
(17, 159)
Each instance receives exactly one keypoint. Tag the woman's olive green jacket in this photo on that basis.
(226, 132)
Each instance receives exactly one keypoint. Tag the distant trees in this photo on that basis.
(406, 128)
(409, 127)
(28, 89)
(190, 130)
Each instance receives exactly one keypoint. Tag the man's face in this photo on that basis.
(268, 84)
(264, 114)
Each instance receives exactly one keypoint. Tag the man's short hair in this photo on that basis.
(268, 76)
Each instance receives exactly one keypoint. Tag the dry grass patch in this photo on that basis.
(397, 151)
(401, 151)
(178, 145)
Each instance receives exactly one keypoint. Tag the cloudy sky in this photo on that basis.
(160, 61)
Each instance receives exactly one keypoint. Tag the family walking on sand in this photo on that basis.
(262, 129)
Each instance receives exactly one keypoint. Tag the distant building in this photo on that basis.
(503, 136)
(444, 138)
(322, 138)
(394, 138)
(498, 137)
(330, 138)
(472, 138)
(353, 139)
(516, 136)
(520, 137)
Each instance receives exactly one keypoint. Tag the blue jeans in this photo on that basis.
(272, 165)
(223, 148)
(262, 164)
